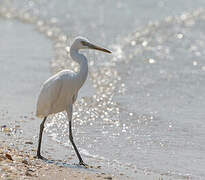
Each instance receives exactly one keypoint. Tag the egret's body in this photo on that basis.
(60, 91)
(57, 93)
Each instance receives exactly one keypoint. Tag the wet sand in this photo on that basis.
(19, 164)
(16, 164)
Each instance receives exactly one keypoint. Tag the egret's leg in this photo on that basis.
(69, 113)
(40, 138)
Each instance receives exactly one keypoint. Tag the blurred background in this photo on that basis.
(141, 109)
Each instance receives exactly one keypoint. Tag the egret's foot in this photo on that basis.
(40, 157)
(83, 164)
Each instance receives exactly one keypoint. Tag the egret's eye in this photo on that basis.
(84, 43)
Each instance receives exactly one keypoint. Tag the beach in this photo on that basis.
(22, 165)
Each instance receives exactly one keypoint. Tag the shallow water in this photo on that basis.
(24, 63)
(141, 110)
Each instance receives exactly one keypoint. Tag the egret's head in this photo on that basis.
(83, 43)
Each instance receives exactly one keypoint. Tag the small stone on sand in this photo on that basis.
(9, 156)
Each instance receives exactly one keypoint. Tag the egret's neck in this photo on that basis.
(82, 61)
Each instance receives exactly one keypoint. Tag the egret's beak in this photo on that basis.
(92, 46)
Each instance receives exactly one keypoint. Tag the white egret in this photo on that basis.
(60, 91)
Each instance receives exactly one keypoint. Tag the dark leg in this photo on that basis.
(74, 146)
(71, 137)
(40, 138)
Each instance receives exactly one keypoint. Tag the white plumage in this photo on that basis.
(57, 93)
(60, 91)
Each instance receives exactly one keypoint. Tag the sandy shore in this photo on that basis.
(15, 164)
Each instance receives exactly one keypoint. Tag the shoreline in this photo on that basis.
(22, 164)
(17, 161)
(18, 164)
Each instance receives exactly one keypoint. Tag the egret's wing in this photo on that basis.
(49, 94)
